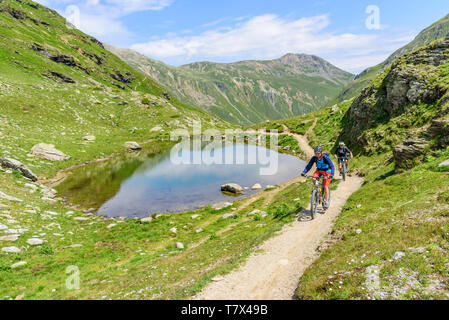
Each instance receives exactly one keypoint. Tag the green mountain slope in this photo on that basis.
(248, 91)
(438, 30)
(58, 85)
(391, 240)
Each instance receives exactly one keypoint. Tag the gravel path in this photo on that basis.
(274, 274)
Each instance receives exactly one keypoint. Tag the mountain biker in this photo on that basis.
(324, 167)
(342, 155)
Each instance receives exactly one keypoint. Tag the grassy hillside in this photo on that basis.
(58, 85)
(391, 240)
(438, 30)
(248, 91)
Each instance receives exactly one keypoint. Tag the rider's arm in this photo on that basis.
(331, 164)
(350, 152)
(310, 165)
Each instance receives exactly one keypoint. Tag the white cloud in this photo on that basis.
(101, 18)
(270, 36)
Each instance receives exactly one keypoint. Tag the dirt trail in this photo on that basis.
(274, 274)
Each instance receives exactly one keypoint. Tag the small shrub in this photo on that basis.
(213, 236)
(282, 211)
(46, 249)
(146, 101)
(16, 174)
(444, 197)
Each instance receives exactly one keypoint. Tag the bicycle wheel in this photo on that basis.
(343, 170)
(314, 204)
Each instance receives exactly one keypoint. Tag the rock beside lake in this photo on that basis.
(228, 216)
(17, 165)
(232, 188)
(48, 152)
(257, 186)
(149, 219)
(131, 145)
(221, 205)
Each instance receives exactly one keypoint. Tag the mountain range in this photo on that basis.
(247, 92)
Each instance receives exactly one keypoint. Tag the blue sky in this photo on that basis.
(183, 31)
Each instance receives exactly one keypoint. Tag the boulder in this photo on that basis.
(257, 186)
(254, 212)
(35, 242)
(411, 149)
(18, 265)
(48, 152)
(10, 198)
(89, 138)
(149, 219)
(11, 250)
(10, 238)
(179, 245)
(232, 188)
(221, 205)
(156, 129)
(228, 216)
(17, 165)
(131, 145)
(444, 164)
(335, 109)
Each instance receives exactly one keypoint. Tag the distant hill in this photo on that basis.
(247, 92)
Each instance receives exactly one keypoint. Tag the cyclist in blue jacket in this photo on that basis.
(324, 167)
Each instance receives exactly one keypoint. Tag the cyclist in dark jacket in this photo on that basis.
(342, 155)
(324, 167)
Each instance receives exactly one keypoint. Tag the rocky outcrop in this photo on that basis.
(122, 78)
(405, 154)
(409, 82)
(59, 77)
(17, 165)
(232, 188)
(48, 152)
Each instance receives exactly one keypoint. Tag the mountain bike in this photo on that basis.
(318, 195)
(344, 169)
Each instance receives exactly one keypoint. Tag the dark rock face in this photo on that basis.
(18, 14)
(39, 48)
(17, 165)
(60, 76)
(121, 78)
(97, 42)
(405, 153)
(67, 60)
(166, 96)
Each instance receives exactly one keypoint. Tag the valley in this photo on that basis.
(76, 118)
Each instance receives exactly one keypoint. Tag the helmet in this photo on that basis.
(319, 150)
(341, 143)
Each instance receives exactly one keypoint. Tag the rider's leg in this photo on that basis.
(326, 194)
(347, 164)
